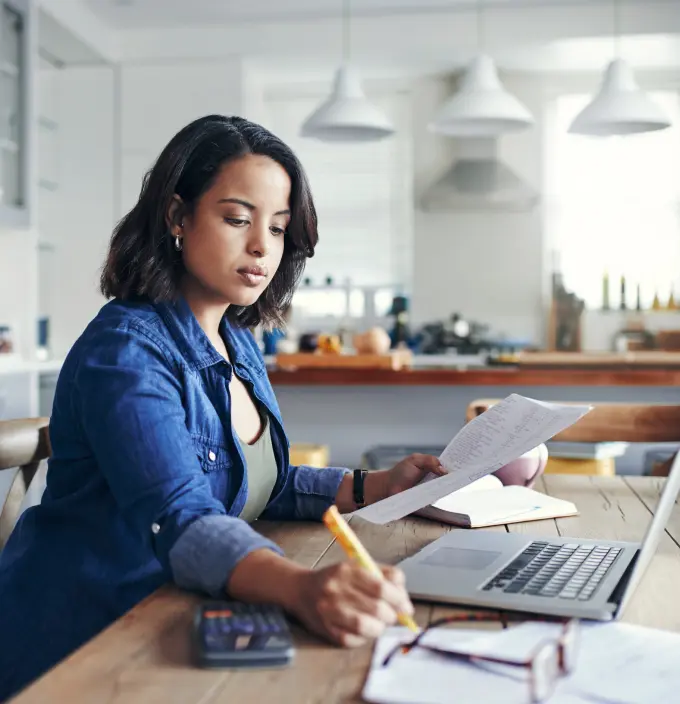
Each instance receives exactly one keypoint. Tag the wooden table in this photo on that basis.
(144, 657)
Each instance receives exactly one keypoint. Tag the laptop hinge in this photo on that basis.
(620, 588)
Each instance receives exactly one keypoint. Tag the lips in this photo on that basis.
(253, 271)
(253, 275)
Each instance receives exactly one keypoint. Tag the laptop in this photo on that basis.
(569, 577)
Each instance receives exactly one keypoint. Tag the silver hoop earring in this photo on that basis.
(178, 244)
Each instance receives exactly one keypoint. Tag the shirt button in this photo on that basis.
(155, 528)
(212, 456)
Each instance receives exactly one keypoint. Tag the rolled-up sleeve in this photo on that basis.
(309, 490)
(130, 398)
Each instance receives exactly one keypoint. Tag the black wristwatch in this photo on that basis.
(358, 487)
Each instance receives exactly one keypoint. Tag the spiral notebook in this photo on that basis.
(487, 502)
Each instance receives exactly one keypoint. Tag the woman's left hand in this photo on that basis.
(410, 471)
(380, 484)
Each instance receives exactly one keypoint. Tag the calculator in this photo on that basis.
(231, 634)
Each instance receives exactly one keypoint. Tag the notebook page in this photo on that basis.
(507, 430)
(509, 504)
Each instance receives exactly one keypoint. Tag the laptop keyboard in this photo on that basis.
(570, 571)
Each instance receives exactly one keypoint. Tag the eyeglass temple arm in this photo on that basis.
(469, 657)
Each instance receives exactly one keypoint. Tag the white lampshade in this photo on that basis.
(481, 107)
(619, 107)
(347, 116)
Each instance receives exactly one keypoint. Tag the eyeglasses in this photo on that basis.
(550, 660)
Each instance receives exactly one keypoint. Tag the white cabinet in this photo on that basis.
(17, 130)
(16, 395)
(48, 386)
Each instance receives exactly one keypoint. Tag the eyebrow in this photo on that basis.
(248, 205)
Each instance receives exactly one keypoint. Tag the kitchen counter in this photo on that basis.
(479, 376)
(14, 364)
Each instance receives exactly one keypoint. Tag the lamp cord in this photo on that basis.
(617, 29)
(346, 36)
(481, 39)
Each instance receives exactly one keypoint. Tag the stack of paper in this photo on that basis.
(616, 664)
(493, 439)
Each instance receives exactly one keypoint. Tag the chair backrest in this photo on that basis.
(24, 444)
(613, 422)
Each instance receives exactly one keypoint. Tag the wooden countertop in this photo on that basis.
(487, 376)
(144, 657)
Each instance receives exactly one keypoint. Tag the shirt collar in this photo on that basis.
(192, 341)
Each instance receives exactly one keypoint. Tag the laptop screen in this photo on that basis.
(654, 532)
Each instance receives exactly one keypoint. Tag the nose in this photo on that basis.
(257, 242)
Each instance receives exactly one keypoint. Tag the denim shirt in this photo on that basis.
(144, 485)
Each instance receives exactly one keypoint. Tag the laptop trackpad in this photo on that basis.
(461, 558)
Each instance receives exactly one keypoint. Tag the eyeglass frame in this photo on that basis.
(564, 668)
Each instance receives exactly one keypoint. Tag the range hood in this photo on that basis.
(479, 181)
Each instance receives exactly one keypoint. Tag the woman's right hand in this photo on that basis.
(347, 604)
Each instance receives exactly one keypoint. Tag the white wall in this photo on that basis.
(485, 265)
(76, 219)
(157, 100)
(18, 287)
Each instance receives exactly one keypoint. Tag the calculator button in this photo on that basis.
(244, 624)
(261, 625)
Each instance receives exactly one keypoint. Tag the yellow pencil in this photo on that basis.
(356, 551)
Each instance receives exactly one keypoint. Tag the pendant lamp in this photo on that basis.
(620, 107)
(481, 107)
(347, 115)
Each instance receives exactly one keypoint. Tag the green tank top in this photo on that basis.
(261, 470)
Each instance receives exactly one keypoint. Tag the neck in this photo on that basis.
(207, 309)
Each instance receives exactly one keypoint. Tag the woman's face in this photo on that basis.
(233, 241)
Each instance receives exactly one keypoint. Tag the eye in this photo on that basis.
(277, 231)
(236, 222)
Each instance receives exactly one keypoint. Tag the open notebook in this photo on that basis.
(487, 502)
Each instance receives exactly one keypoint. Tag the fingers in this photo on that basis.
(390, 590)
(393, 574)
(427, 463)
(344, 638)
(375, 608)
(347, 618)
(357, 606)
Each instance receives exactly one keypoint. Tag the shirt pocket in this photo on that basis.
(212, 456)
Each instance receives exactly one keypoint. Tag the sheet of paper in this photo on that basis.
(503, 433)
(424, 678)
(616, 662)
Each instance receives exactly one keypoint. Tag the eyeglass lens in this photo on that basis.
(545, 671)
(569, 641)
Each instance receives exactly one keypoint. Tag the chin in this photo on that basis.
(243, 298)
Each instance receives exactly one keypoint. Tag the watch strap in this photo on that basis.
(358, 486)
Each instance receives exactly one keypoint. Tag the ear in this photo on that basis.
(174, 216)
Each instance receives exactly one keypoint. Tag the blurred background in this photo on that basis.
(498, 185)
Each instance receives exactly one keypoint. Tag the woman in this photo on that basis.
(166, 436)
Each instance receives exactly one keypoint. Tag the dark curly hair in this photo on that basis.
(142, 261)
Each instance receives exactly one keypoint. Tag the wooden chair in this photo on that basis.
(24, 444)
(614, 422)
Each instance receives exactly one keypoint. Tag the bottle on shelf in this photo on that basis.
(638, 298)
(671, 305)
(656, 303)
(623, 293)
(605, 291)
